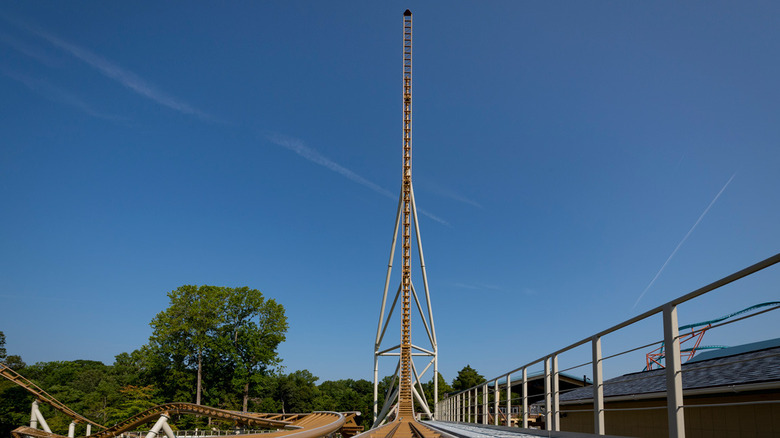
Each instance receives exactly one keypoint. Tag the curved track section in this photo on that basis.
(295, 425)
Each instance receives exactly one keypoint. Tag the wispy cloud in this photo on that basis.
(706, 210)
(27, 50)
(113, 71)
(298, 146)
(57, 94)
(451, 194)
(315, 157)
(478, 287)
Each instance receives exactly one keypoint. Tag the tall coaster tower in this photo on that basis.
(406, 385)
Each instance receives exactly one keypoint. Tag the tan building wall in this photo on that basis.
(752, 420)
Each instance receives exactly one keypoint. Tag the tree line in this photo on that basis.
(214, 346)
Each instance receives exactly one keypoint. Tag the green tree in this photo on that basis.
(254, 327)
(186, 330)
(2, 347)
(444, 388)
(467, 377)
(230, 335)
(133, 400)
(297, 392)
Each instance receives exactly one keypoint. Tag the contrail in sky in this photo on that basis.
(315, 157)
(447, 193)
(684, 239)
(56, 94)
(117, 73)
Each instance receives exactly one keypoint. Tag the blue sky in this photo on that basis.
(577, 164)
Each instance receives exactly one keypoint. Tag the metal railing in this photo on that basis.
(464, 406)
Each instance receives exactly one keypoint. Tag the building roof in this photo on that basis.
(746, 364)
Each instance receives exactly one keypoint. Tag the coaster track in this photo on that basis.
(297, 425)
(44, 396)
(291, 425)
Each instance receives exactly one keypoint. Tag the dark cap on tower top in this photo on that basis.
(407, 13)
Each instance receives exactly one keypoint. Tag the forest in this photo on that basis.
(214, 346)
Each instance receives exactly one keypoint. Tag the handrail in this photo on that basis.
(464, 406)
(687, 297)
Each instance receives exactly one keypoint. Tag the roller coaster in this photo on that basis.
(316, 424)
(398, 418)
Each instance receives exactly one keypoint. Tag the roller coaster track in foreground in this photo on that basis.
(289, 425)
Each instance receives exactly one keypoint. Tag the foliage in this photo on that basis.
(228, 336)
(443, 387)
(467, 377)
(3, 352)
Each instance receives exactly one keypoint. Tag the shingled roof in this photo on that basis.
(749, 364)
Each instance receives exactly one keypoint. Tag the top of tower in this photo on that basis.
(407, 13)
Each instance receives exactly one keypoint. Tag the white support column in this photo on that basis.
(33, 417)
(167, 429)
(89, 429)
(435, 366)
(547, 395)
(496, 393)
(598, 388)
(72, 430)
(674, 387)
(556, 415)
(508, 400)
(525, 398)
(157, 426)
(40, 418)
(376, 380)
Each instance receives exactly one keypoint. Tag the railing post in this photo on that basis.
(674, 395)
(476, 405)
(547, 394)
(462, 407)
(556, 415)
(508, 400)
(485, 403)
(525, 398)
(598, 388)
(496, 393)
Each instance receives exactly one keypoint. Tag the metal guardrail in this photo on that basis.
(463, 406)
